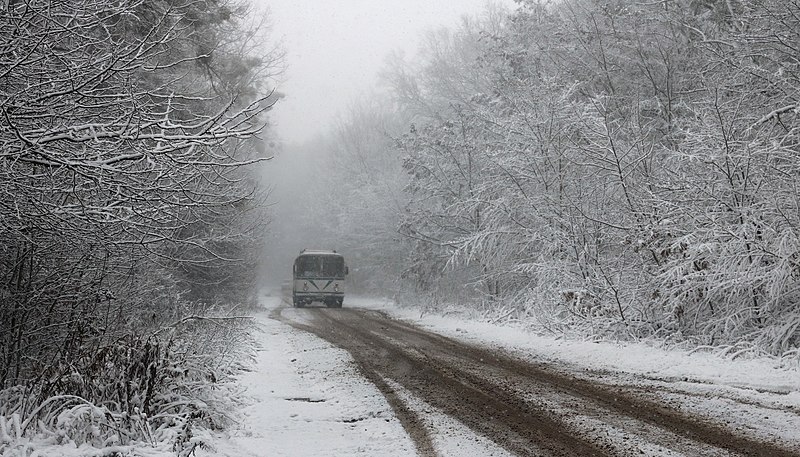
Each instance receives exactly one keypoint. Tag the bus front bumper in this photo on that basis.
(308, 297)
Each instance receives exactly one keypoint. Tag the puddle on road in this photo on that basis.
(306, 399)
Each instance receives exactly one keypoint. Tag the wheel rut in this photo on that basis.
(528, 409)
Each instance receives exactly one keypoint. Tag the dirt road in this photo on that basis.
(528, 409)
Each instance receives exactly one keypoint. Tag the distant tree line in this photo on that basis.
(127, 216)
(625, 169)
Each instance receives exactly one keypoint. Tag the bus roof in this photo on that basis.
(318, 252)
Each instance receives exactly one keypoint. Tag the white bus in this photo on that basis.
(318, 276)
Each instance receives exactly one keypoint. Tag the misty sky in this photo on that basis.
(335, 49)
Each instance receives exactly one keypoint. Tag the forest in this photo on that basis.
(130, 215)
(596, 169)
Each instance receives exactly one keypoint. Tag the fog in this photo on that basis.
(288, 176)
(585, 169)
(335, 52)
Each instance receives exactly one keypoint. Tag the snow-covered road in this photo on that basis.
(308, 397)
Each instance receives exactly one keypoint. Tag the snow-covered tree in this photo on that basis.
(627, 166)
(125, 128)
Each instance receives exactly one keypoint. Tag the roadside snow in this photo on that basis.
(308, 399)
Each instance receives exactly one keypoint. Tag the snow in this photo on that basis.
(309, 399)
(306, 397)
(450, 437)
(756, 374)
(717, 387)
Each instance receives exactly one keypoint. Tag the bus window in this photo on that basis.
(333, 267)
(322, 266)
(307, 267)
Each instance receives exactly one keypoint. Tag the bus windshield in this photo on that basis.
(319, 266)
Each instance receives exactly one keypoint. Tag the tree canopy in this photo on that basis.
(627, 170)
(125, 204)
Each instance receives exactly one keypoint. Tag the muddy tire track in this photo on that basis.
(526, 408)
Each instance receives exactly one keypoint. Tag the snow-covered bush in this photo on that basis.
(166, 390)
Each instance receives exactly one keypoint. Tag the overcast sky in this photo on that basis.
(335, 49)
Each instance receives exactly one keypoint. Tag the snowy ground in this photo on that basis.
(309, 400)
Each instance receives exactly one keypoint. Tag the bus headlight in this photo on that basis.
(305, 287)
(336, 287)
